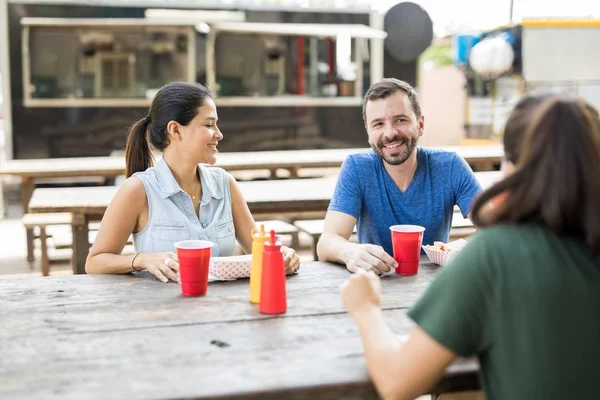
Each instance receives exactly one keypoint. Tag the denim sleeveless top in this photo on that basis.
(171, 214)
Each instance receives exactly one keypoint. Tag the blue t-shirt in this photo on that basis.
(367, 192)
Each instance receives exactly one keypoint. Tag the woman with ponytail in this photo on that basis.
(523, 295)
(176, 199)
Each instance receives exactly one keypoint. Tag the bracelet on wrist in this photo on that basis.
(132, 260)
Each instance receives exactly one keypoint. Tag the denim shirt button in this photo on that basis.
(204, 224)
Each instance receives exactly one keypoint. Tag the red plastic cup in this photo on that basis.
(194, 260)
(406, 242)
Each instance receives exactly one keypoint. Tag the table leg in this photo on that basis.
(293, 172)
(45, 262)
(27, 187)
(81, 244)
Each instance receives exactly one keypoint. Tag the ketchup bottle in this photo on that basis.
(273, 299)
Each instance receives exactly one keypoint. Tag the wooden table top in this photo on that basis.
(106, 336)
(285, 195)
(111, 166)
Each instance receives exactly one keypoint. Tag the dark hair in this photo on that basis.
(177, 101)
(516, 124)
(387, 87)
(557, 180)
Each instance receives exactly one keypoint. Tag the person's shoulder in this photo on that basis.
(133, 188)
(217, 180)
(214, 172)
(515, 240)
(149, 174)
(365, 159)
(438, 157)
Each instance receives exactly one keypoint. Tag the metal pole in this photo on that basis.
(376, 20)
(5, 76)
(6, 108)
(510, 20)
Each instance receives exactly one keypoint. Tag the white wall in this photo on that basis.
(443, 98)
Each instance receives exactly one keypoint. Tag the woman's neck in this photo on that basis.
(185, 173)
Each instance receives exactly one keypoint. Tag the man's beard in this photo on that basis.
(403, 155)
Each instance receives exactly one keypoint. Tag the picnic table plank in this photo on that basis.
(168, 346)
(111, 166)
(271, 196)
(79, 308)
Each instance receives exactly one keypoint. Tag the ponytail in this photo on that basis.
(138, 156)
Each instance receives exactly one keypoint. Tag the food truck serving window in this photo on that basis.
(69, 62)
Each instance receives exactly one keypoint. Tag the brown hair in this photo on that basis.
(178, 101)
(516, 124)
(557, 179)
(387, 87)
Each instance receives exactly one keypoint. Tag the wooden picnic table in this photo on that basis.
(133, 337)
(286, 196)
(108, 167)
(481, 158)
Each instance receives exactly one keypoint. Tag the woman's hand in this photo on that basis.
(290, 260)
(164, 266)
(362, 292)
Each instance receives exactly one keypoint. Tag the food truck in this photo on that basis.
(286, 75)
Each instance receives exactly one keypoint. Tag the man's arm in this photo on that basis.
(333, 242)
(334, 246)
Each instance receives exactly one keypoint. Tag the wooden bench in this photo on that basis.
(42, 221)
(281, 228)
(314, 228)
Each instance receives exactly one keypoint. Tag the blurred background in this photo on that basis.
(76, 74)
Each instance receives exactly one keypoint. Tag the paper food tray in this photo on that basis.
(230, 268)
(441, 257)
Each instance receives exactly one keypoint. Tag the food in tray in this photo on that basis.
(441, 246)
(452, 246)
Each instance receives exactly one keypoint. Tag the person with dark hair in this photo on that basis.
(523, 294)
(177, 199)
(395, 183)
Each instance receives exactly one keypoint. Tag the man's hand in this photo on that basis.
(368, 257)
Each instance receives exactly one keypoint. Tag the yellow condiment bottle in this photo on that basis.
(258, 244)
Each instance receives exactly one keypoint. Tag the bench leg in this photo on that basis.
(45, 262)
(27, 187)
(81, 243)
(30, 237)
(295, 241)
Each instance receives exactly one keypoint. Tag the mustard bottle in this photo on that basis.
(258, 244)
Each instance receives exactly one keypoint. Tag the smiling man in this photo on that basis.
(395, 183)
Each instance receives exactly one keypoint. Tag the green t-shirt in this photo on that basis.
(527, 303)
